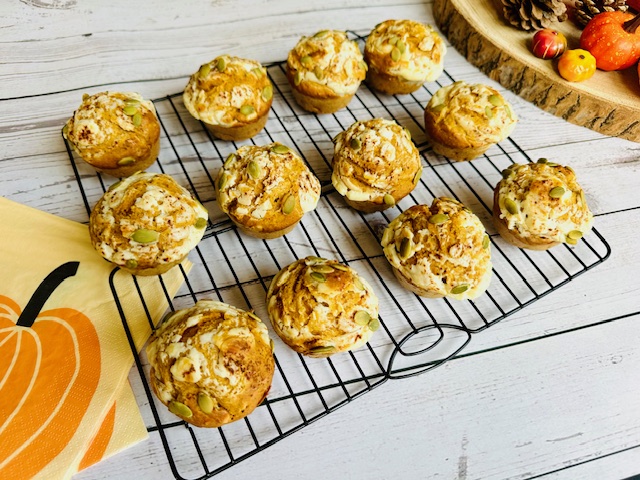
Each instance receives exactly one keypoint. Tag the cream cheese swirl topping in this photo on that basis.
(409, 49)
(544, 200)
(477, 113)
(330, 59)
(442, 248)
(101, 115)
(228, 91)
(319, 306)
(192, 344)
(268, 183)
(375, 158)
(148, 219)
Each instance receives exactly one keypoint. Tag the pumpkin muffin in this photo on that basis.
(325, 70)
(439, 251)
(211, 364)
(462, 121)
(320, 307)
(231, 96)
(375, 164)
(117, 133)
(146, 223)
(266, 190)
(540, 205)
(402, 55)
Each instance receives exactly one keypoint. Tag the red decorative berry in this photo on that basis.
(548, 43)
(635, 4)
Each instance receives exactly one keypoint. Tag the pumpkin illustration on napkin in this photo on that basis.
(70, 325)
(49, 371)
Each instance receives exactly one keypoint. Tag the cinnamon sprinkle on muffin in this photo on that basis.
(321, 307)
(117, 133)
(231, 96)
(402, 55)
(266, 189)
(439, 251)
(325, 70)
(375, 164)
(147, 223)
(463, 120)
(540, 205)
(211, 364)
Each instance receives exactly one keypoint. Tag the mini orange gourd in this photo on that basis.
(612, 39)
(576, 65)
(49, 372)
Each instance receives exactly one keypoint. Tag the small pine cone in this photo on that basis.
(587, 9)
(534, 14)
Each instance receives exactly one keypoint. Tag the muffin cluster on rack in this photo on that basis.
(213, 363)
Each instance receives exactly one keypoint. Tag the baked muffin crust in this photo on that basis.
(320, 307)
(117, 133)
(439, 251)
(375, 164)
(402, 55)
(540, 205)
(146, 223)
(463, 120)
(266, 189)
(211, 364)
(231, 96)
(325, 70)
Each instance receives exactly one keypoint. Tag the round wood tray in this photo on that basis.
(608, 102)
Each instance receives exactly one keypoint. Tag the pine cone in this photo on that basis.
(586, 9)
(534, 14)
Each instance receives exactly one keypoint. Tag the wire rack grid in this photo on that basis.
(416, 334)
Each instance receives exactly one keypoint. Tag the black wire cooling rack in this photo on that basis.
(416, 334)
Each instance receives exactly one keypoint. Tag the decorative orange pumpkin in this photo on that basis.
(576, 65)
(50, 367)
(612, 39)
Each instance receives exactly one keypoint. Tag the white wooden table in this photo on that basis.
(552, 391)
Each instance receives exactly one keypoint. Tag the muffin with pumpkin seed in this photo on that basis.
(375, 164)
(147, 223)
(440, 250)
(117, 133)
(231, 96)
(211, 364)
(320, 307)
(325, 71)
(402, 55)
(463, 120)
(540, 205)
(266, 189)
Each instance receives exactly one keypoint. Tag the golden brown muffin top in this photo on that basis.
(266, 187)
(112, 125)
(544, 200)
(326, 64)
(320, 307)
(469, 115)
(145, 220)
(229, 92)
(375, 160)
(405, 48)
(442, 248)
(211, 363)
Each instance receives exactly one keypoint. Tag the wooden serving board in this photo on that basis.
(608, 102)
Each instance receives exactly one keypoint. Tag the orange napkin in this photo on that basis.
(121, 428)
(64, 355)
